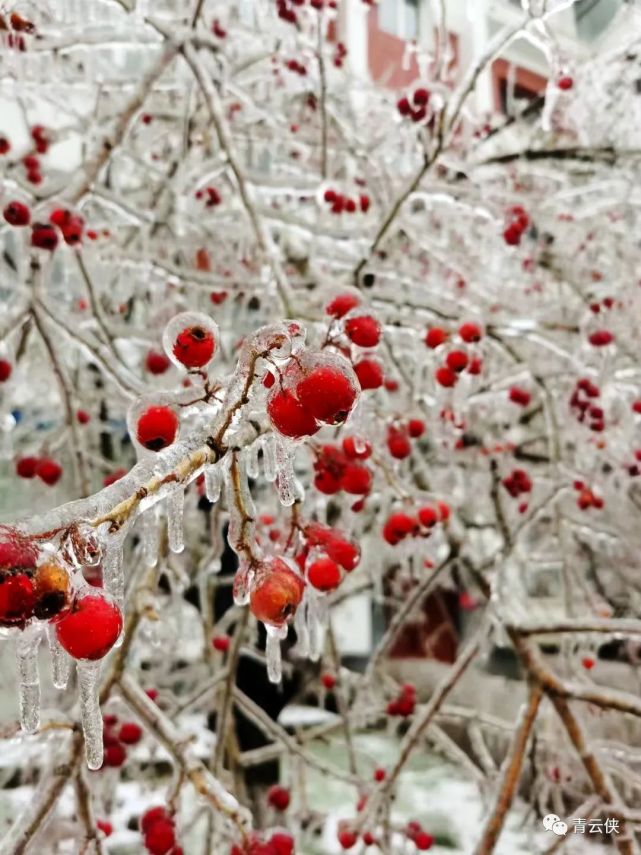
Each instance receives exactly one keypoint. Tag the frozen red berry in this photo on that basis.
(369, 372)
(276, 592)
(565, 82)
(356, 479)
(130, 733)
(278, 797)
(588, 663)
(398, 526)
(282, 843)
(153, 815)
(26, 467)
(221, 643)
(91, 628)
(83, 417)
(324, 574)
(17, 598)
(398, 444)
(428, 516)
(519, 396)
(160, 838)
(289, 416)
(17, 214)
(157, 428)
(435, 336)
(156, 362)
(363, 331)
(194, 346)
(457, 360)
(347, 838)
(470, 332)
(115, 755)
(445, 377)
(601, 338)
(6, 369)
(327, 393)
(104, 826)
(328, 681)
(356, 448)
(5, 145)
(48, 471)
(416, 428)
(44, 236)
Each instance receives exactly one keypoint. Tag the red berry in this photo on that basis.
(363, 331)
(347, 838)
(435, 336)
(444, 510)
(379, 775)
(5, 370)
(324, 574)
(404, 107)
(356, 480)
(421, 97)
(328, 681)
(356, 448)
(156, 362)
(428, 516)
(160, 838)
(398, 444)
(26, 467)
(48, 471)
(104, 826)
(17, 214)
(457, 360)
(565, 82)
(277, 592)
(446, 377)
(344, 553)
(44, 236)
(369, 372)
(588, 663)
(327, 393)
(350, 206)
(83, 417)
(416, 428)
(91, 628)
(5, 145)
(470, 332)
(601, 338)
(289, 416)
(194, 346)
(342, 304)
(281, 843)
(157, 428)
(475, 366)
(130, 733)
(368, 838)
(278, 797)
(221, 643)
(115, 755)
(519, 396)
(364, 202)
(512, 234)
(152, 816)
(398, 526)
(423, 841)
(17, 599)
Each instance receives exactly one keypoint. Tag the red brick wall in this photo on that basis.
(525, 81)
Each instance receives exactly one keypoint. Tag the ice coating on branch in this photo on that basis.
(241, 533)
(175, 512)
(213, 482)
(90, 716)
(60, 661)
(242, 583)
(80, 546)
(27, 644)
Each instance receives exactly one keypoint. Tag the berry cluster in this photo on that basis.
(296, 66)
(340, 203)
(606, 303)
(211, 196)
(339, 468)
(278, 797)
(419, 837)
(116, 739)
(400, 525)
(324, 553)
(517, 223)
(399, 435)
(404, 704)
(517, 483)
(159, 832)
(581, 401)
(340, 52)
(44, 468)
(71, 225)
(587, 498)
(416, 108)
(456, 360)
(278, 843)
(29, 589)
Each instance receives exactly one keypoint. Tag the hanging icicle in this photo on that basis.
(91, 717)
(285, 479)
(213, 482)
(272, 652)
(60, 661)
(175, 513)
(27, 645)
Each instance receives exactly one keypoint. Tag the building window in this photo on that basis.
(399, 18)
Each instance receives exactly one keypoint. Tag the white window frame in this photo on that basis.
(397, 16)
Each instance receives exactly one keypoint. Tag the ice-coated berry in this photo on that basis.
(276, 592)
(91, 627)
(194, 346)
(324, 574)
(157, 428)
(289, 416)
(327, 393)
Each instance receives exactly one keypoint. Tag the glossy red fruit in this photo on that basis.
(327, 393)
(601, 338)
(156, 362)
(282, 843)
(423, 841)
(48, 471)
(17, 599)
(5, 145)
(470, 332)
(435, 336)
(194, 346)
(221, 643)
(91, 628)
(277, 593)
(428, 516)
(6, 369)
(52, 588)
(104, 826)
(115, 755)
(153, 815)
(457, 360)
(445, 377)
(363, 331)
(379, 774)
(324, 574)
(289, 416)
(344, 553)
(347, 838)
(588, 663)
(519, 396)
(160, 838)
(328, 681)
(157, 428)
(512, 234)
(278, 797)
(398, 444)
(356, 448)
(17, 214)
(565, 82)
(83, 417)
(341, 305)
(356, 480)
(369, 373)
(26, 467)
(416, 428)
(398, 526)
(130, 733)
(44, 236)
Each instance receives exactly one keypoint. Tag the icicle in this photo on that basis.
(242, 584)
(88, 673)
(113, 575)
(213, 483)
(314, 614)
(285, 469)
(150, 535)
(60, 662)
(272, 651)
(175, 511)
(300, 625)
(251, 460)
(27, 646)
(269, 457)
